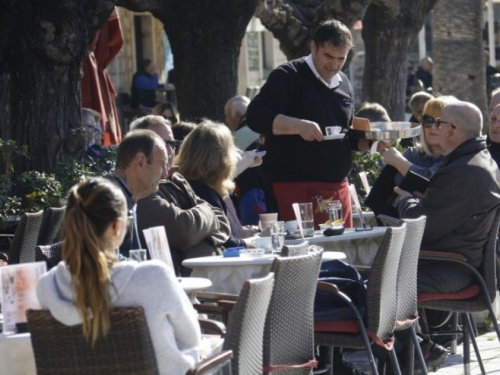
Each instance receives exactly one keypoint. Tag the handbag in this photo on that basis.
(329, 306)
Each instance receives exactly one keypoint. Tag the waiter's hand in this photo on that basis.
(310, 131)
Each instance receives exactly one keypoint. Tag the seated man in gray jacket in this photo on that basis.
(194, 228)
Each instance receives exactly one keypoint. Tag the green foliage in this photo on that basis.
(34, 191)
(364, 162)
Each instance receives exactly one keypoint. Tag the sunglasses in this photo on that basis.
(173, 144)
(428, 121)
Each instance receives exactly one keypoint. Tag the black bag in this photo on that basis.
(329, 306)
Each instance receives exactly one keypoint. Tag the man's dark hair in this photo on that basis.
(374, 112)
(135, 142)
(333, 32)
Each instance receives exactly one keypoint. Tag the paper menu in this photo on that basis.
(355, 200)
(19, 292)
(157, 243)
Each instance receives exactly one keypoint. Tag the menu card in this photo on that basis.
(19, 292)
(157, 243)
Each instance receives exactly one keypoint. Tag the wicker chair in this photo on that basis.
(22, 249)
(474, 298)
(127, 349)
(245, 330)
(288, 334)
(381, 305)
(407, 283)
(51, 225)
(294, 250)
(51, 254)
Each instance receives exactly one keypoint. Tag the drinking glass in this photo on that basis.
(306, 215)
(138, 255)
(277, 235)
(335, 211)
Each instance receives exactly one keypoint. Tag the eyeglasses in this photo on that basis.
(439, 122)
(173, 144)
(428, 121)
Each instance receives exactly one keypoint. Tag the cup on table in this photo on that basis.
(291, 226)
(266, 219)
(306, 214)
(138, 255)
(335, 211)
(333, 130)
(277, 235)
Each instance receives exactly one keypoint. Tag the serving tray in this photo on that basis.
(388, 131)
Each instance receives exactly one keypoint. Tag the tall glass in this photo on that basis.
(306, 214)
(335, 211)
(277, 235)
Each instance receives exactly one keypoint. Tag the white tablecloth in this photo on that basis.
(16, 355)
(229, 274)
(360, 247)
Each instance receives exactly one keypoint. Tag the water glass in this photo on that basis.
(306, 214)
(277, 235)
(335, 211)
(138, 255)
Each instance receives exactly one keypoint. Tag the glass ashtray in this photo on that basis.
(254, 253)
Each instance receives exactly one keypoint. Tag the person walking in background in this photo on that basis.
(144, 85)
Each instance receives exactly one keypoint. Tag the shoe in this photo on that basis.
(434, 356)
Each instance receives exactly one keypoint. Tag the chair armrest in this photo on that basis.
(389, 221)
(226, 305)
(203, 308)
(211, 296)
(327, 287)
(213, 326)
(363, 270)
(440, 255)
(211, 362)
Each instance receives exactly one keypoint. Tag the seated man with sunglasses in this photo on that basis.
(194, 228)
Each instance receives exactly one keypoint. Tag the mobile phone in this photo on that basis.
(259, 154)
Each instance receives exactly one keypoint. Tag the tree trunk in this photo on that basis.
(293, 22)
(388, 31)
(459, 68)
(206, 38)
(44, 43)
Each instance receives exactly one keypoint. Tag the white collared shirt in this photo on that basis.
(335, 81)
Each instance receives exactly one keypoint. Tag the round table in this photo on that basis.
(229, 274)
(192, 285)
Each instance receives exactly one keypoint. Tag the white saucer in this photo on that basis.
(333, 136)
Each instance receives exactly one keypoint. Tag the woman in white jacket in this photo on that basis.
(89, 282)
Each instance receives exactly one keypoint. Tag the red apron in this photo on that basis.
(319, 193)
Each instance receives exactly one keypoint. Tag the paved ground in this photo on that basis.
(490, 354)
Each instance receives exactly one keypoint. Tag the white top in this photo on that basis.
(266, 259)
(333, 83)
(172, 321)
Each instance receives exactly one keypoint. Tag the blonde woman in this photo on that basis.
(207, 159)
(424, 159)
(89, 282)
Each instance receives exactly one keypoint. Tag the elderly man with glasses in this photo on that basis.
(460, 201)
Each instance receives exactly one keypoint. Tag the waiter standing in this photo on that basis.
(299, 99)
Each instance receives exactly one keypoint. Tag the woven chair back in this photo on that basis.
(289, 330)
(408, 265)
(295, 250)
(22, 249)
(61, 349)
(382, 291)
(51, 254)
(50, 232)
(245, 331)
